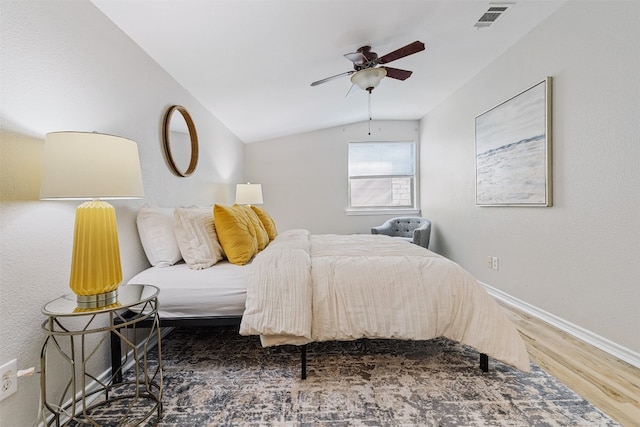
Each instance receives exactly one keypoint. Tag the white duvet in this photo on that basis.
(305, 288)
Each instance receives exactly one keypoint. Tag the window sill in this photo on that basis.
(397, 212)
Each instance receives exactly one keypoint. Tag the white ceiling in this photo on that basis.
(251, 62)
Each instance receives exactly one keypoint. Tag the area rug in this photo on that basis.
(215, 377)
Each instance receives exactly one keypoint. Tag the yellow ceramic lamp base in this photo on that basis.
(96, 271)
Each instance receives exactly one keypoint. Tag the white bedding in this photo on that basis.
(216, 291)
(305, 288)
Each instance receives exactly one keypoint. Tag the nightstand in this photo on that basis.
(78, 341)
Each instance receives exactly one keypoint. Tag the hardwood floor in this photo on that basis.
(613, 386)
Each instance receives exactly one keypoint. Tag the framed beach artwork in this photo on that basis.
(513, 150)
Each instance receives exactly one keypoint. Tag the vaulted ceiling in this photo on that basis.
(251, 62)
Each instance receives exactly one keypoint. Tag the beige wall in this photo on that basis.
(65, 66)
(580, 259)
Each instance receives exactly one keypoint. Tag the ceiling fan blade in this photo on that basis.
(356, 57)
(362, 56)
(351, 90)
(332, 77)
(407, 50)
(396, 73)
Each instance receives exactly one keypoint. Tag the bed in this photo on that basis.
(302, 288)
(305, 288)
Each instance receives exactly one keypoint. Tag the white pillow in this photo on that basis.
(155, 227)
(196, 235)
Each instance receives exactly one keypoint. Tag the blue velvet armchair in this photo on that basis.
(412, 229)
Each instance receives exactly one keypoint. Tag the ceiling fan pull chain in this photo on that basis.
(369, 112)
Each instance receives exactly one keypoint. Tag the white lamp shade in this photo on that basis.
(369, 78)
(86, 165)
(249, 194)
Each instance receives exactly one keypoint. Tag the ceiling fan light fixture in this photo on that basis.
(369, 78)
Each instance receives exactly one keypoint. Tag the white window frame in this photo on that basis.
(400, 210)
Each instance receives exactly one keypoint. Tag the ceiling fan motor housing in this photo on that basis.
(368, 60)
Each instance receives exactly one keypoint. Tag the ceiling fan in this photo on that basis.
(367, 74)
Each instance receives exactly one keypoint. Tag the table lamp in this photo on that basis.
(249, 194)
(94, 167)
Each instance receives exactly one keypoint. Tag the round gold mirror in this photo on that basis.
(180, 141)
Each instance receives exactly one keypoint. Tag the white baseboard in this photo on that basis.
(580, 333)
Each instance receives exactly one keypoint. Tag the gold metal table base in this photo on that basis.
(77, 345)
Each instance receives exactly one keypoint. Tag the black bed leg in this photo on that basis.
(484, 362)
(116, 358)
(303, 359)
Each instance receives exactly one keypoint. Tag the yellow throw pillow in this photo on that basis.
(236, 233)
(261, 234)
(266, 221)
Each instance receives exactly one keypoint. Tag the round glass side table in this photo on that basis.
(77, 345)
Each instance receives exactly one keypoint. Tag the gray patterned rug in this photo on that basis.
(214, 377)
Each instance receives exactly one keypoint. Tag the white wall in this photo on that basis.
(580, 259)
(65, 66)
(304, 177)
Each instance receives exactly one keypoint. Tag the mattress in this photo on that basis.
(216, 291)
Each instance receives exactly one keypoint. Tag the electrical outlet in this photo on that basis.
(494, 262)
(489, 262)
(9, 378)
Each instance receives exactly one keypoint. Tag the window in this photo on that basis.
(382, 175)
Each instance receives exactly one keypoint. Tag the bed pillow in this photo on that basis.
(261, 233)
(236, 233)
(267, 222)
(155, 228)
(197, 238)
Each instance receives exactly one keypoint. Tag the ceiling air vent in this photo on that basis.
(493, 13)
